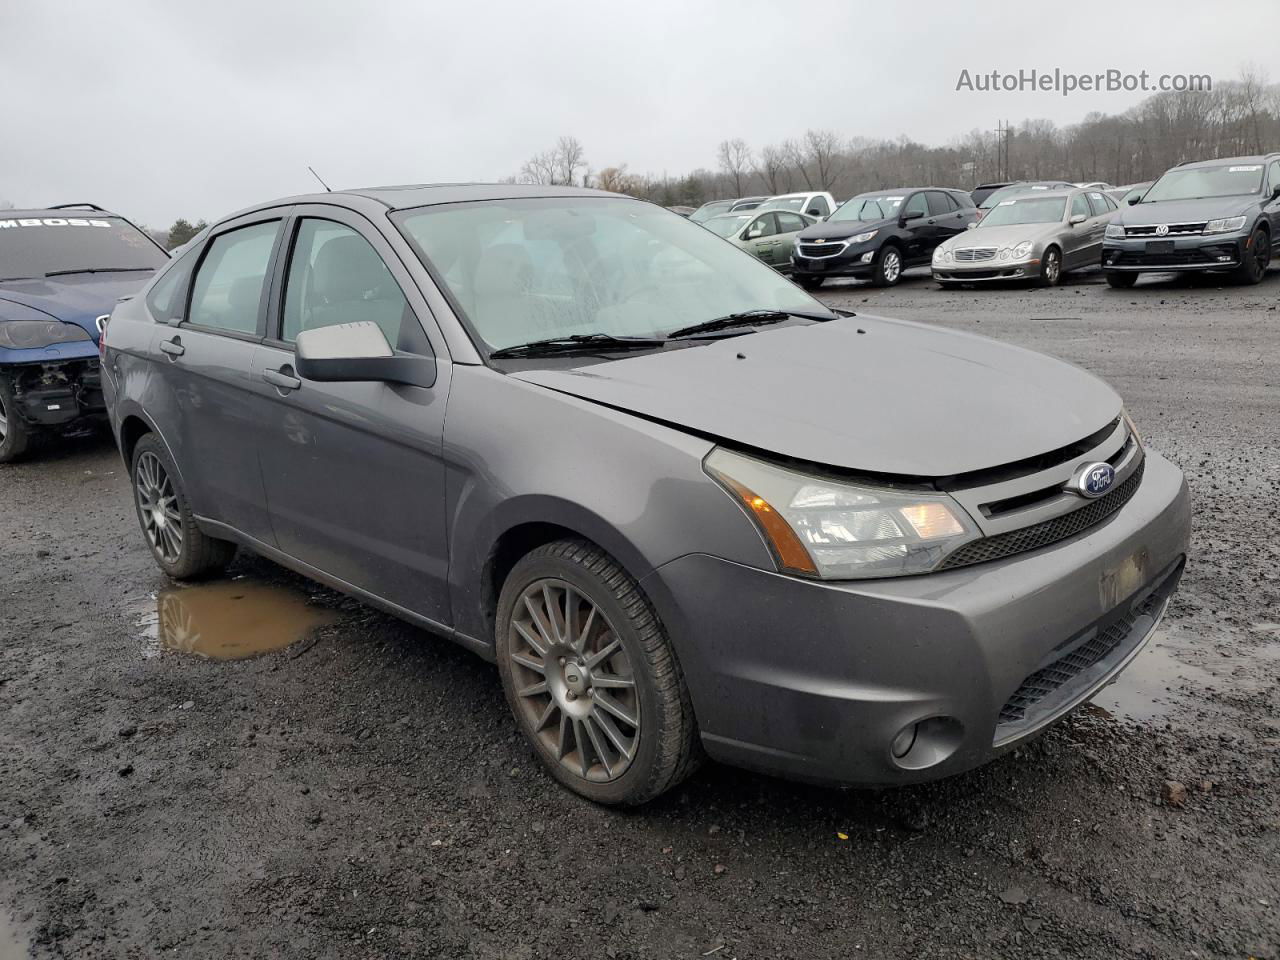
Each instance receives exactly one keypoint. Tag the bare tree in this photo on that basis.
(822, 156)
(772, 169)
(566, 159)
(6, 204)
(735, 161)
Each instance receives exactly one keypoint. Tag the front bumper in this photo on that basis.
(815, 680)
(1199, 252)
(984, 271)
(851, 261)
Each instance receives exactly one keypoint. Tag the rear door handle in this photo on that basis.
(282, 378)
(174, 347)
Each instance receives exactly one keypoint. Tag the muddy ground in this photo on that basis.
(362, 793)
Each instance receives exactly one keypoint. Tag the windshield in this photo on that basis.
(527, 269)
(709, 210)
(783, 203)
(869, 208)
(1197, 183)
(727, 226)
(1005, 193)
(34, 247)
(1025, 210)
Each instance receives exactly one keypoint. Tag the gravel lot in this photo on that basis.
(363, 793)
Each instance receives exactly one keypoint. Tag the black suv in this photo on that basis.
(1212, 215)
(880, 234)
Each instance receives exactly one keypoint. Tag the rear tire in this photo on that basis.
(15, 435)
(810, 283)
(1121, 281)
(888, 269)
(181, 549)
(1257, 257)
(563, 607)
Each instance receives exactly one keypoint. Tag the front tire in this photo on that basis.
(1121, 281)
(15, 435)
(181, 549)
(1051, 267)
(1257, 257)
(888, 266)
(591, 677)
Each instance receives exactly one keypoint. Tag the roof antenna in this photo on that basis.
(317, 176)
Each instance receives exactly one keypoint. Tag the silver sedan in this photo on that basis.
(1029, 236)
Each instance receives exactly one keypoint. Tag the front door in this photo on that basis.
(920, 231)
(761, 238)
(354, 472)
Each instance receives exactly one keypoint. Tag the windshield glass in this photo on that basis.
(783, 203)
(869, 207)
(34, 247)
(1025, 210)
(727, 226)
(709, 210)
(1196, 183)
(528, 269)
(1005, 193)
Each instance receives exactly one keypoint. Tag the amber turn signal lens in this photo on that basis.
(931, 521)
(791, 552)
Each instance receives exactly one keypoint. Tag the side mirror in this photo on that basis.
(1275, 192)
(972, 224)
(1077, 218)
(1135, 200)
(912, 215)
(354, 352)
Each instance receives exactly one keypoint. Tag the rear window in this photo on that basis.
(37, 247)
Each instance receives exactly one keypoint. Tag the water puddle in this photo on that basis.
(1162, 676)
(227, 620)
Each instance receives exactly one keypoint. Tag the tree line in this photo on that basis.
(1233, 118)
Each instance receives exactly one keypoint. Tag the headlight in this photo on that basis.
(835, 530)
(1227, 225)
(863, 237)
(1004, 254)
(941, 255)
(1022, 250)
(1115, 231)
(26, 334)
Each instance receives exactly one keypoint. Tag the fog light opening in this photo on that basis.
(904, 741)
(926, 743)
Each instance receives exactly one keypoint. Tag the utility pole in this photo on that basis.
(1003, 132)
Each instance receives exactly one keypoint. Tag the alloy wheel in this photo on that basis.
(1261, 256)
(574, 681)
(892, 266)
(1052, 266)
(158, 507)
(4, 422)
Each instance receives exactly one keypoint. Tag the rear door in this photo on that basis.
(203, 359)
(354, 472)
(1077, 240)
(789, 226)
(1103, 209)
(949, 221)
(920, 233)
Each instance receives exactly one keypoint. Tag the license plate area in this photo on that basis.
(1160, 246)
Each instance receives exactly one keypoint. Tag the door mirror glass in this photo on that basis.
(912, 215)
(351, 352)
(971, 225)
(1077, 218)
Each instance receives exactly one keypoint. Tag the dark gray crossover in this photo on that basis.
(684, 506)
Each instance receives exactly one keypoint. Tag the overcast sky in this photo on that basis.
(174, 108)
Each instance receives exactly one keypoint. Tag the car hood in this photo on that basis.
(839, 229)
(79, 298)
(1004, 236)
(903, 398)
(1185, 211)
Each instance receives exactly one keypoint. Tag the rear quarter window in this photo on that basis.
(168, 295)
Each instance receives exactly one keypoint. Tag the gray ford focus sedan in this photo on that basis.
(686, 508)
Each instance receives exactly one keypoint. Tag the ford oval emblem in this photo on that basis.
(1093, 480)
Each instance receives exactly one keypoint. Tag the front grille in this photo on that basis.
(815, 251)
(1049, 532)
(1055, 676)
(972, 254)
(1199, 256)
(1175, 230)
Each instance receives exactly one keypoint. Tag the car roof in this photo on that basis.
(1261, 158)
(85, 210)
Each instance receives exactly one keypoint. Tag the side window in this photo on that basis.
(762, 227)
(819, 207)
(962, 201)
(227, 291)
(791, 222)
(917, 203)
(335, 276)
(1079, 205)
(166, 298)
(1273, 176)
(1099, 204)
(938, 203)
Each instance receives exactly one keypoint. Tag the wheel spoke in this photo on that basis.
(581, 743)
(534, 689)
(605, 722)
(548, 637)
(603, 654)
(537, 666)
(549, 607)
(537, 644)
(612, 681)
(562, 743)
(605, 701)
(570, 615)
(541, 725)
(585, 634)
(597, 746)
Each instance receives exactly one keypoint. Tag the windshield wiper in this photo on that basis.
(7, 279)
(746, 318)
(577, 343)
(66, 273)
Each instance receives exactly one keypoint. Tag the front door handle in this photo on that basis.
(282, 379)
(174, 347)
